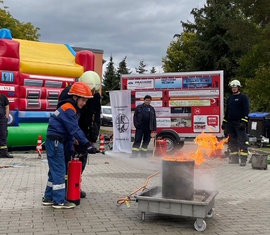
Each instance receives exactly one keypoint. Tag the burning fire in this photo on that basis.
(208, 145)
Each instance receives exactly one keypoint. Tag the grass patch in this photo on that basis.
(101, 131)
(265, 149)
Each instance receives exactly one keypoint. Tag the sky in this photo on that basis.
(139, 29)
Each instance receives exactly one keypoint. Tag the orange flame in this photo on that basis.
(208, 145)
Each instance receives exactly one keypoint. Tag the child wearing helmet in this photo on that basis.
(63, 127)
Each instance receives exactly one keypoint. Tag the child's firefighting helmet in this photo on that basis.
(80, 89)
(92, 79)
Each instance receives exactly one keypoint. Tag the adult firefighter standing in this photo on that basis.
(236, 118)
(4, 112)
(144, 121)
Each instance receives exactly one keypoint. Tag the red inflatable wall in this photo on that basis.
(30, 92)
(86, 59)
(9, 55)
(9, 48)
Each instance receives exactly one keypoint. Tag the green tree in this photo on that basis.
(254, 66)
(256, 10)
(141, 69)
(122, 69)
(257, 90)
(213, 38)
(180, 53)
(109, 81)
(19, 30)
(153, 70)
(219, 36)
(229, 35)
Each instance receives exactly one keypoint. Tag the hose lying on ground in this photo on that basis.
(128, 198)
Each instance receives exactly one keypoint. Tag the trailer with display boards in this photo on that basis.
(186, 103)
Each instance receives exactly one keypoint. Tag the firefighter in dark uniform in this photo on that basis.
(4, 112)
(236, 119)
(144, 121)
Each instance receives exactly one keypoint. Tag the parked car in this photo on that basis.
(106, 115)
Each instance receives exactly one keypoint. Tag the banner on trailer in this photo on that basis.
(121, 116)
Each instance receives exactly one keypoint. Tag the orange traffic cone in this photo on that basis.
(101, 144)
(39, 146)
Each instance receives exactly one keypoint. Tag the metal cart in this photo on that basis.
(200, 207)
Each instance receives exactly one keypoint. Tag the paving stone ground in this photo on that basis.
(241, 206)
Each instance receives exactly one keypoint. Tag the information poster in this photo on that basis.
(206, 123)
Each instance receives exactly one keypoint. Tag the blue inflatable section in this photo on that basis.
(5, 34)
(13, 118)
(16, 117)
(70, 49)
(34, 116)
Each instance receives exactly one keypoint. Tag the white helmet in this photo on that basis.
(92, 79)
(235, 83)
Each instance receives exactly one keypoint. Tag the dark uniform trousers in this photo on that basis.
(238, 140)
(3, 136)
(144, 133)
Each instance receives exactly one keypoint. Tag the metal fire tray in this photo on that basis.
(200, 207)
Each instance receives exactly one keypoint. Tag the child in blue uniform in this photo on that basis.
(63, 126)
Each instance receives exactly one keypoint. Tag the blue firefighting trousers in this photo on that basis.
(55, 189)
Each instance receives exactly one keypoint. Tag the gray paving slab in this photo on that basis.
(241, 207)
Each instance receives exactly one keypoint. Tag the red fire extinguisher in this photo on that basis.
(74, 181)
(161, 147)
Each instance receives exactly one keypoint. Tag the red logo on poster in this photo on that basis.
(197, 111)
(212, 121)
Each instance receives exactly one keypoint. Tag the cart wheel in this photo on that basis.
(200, 227)
(143, 216)
(210, 213)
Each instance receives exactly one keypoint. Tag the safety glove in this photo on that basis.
(90, 148)
(243, 123)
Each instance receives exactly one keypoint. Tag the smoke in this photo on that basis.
(204, 179)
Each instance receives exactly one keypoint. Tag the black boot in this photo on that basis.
(83, 194)
(233, 159)
(243, 161)
(4, 153)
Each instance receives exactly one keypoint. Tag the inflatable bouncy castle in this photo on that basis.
(33, 74)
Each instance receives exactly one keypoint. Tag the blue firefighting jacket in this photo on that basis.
(64, 124)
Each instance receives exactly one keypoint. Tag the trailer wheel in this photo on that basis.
(170, 142)
(200, 227)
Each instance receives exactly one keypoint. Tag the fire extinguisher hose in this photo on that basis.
(128, 198)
